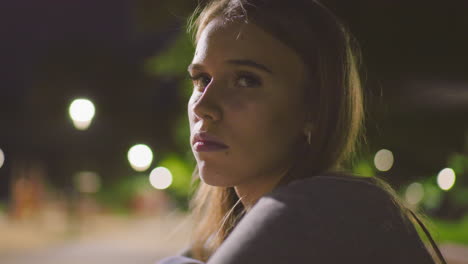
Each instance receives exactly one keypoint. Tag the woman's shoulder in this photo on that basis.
(332, 177)
(327, 219)
(333, 186)
(343, 202)
(342, 196)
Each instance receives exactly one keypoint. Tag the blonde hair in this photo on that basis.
(333, 93)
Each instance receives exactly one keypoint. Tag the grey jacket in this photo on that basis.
(322, 219)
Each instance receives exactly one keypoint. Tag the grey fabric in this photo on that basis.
(179, 260)
(323, 219)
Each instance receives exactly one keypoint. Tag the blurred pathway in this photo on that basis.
(132, 240)
(455, 254)
(118, 240)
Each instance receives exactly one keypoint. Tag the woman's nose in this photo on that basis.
(208, 105)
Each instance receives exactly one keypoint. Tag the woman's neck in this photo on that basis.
(249, 193)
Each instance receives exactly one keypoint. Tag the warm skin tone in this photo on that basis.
(248, 93)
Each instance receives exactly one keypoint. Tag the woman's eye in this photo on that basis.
(200, 81)
(247, 80)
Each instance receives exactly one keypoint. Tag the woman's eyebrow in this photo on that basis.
(250, 63)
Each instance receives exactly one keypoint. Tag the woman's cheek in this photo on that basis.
(236, 102)
(241, 99)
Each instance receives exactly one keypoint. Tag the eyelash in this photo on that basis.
(197, 78)
(252, 80)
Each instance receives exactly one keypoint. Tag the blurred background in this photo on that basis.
(95, 162)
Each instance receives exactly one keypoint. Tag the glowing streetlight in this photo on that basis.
(383, 160)
(160, 178)
(446, 179)
(140, 157)
(82, 113)
(2, 158)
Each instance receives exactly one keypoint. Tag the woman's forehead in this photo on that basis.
(221, 41)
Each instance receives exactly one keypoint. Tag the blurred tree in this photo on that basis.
(172, 64)
(156, 16)
(181, 170)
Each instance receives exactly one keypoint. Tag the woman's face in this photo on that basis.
(248, 96)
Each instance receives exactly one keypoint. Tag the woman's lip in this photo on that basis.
(206, 146)
(207, 137)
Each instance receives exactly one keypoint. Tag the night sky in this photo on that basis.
(54, 51)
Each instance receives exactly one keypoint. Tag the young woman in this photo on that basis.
(276, 111)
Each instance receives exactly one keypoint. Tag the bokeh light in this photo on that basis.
(432, 197)
(160, 178)
(414, 193)
(82, 113)
(383, 160)
(2, 158)
(140, 157)
(87, 182)
(446, 179)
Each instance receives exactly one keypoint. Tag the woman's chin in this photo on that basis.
(215, 178)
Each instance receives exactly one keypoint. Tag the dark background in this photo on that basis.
(416, 80)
